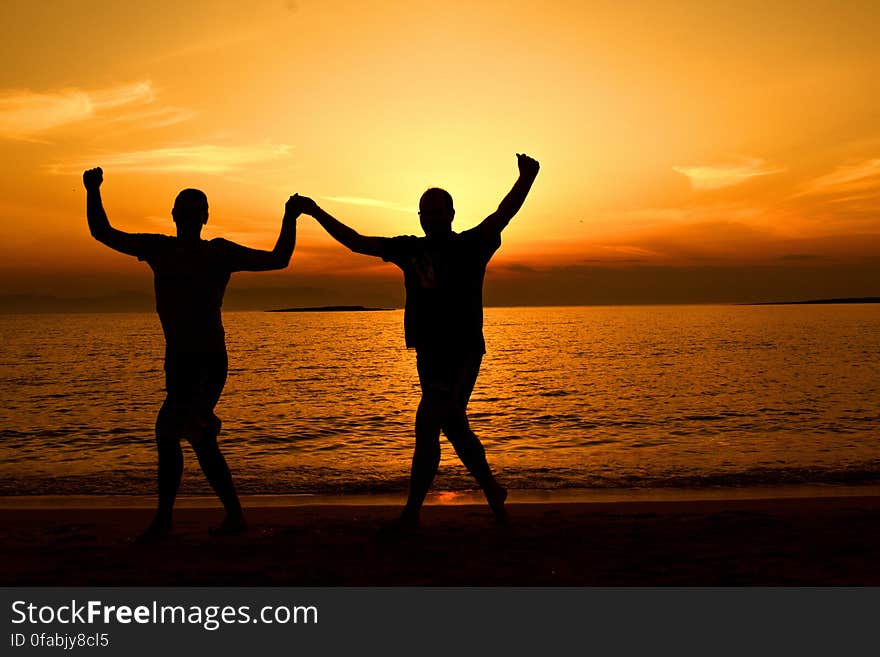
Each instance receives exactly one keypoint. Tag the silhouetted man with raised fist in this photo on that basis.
(190, 276)
(443, 321)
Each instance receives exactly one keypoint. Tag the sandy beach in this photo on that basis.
(719, 542)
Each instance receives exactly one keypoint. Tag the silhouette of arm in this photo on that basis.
(348, 237)
(510, 204)
(99, 224)
(242, 258)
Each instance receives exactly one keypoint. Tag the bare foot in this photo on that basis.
(496, 495)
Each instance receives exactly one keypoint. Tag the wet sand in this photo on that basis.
(787, 541)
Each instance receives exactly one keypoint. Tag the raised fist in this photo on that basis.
(527, 165)
(93, 178)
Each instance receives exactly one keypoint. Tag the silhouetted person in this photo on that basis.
(190, 277)
(443, 321)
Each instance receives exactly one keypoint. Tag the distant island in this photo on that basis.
(816, 301)
(327, 309)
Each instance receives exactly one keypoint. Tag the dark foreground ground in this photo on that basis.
(808, 541)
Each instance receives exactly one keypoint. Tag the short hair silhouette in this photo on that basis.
(436, 201)
(190, 207)
(436, 211)
(191, 196)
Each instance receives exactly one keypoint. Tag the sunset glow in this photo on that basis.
(672, 136)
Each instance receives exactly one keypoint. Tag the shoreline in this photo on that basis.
(452, 498)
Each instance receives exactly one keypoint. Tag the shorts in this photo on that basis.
(448, 378)
(193, 383)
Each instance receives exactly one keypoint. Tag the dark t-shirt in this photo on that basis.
(444, 287)
(190, 279)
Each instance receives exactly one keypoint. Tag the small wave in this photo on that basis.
(320, 480)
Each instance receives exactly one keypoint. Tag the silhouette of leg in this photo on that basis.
(170, 463)
(463, 377)
(169, 472)
(194, 383)
(471, 452)
(218, 475)
(426, 458)
(201, 429)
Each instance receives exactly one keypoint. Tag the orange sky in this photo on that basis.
(673, 136)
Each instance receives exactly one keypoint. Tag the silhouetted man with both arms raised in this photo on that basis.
(190, 277)
(443, 321)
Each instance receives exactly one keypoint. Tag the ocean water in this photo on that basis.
(649, 397)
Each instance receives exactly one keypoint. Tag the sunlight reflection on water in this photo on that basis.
(644, 396)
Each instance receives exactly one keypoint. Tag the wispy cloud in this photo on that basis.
(210, 45)
(643, 218)
(24, 113)
(628, 250)
(370, 202)
(718, 176)
(694, 241)
(206, 158)
(155, 118)
(850, 179)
